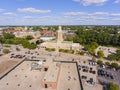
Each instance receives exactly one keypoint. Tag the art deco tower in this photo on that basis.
(59, 35)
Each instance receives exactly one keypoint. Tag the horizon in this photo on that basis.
(68, 12)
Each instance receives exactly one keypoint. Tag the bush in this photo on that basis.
(8, 35)
(66, 51)
(111, 57)
(72, 51)
(29, 37)
(115, 65)
(6, 51)
(50, 49)
(100, 54)
(80, 52)
(61, 50)
(113, 86)
(99, 62)
(107, 63)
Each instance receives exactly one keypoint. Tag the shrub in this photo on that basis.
(80, 52)
(29, 37)
(113, 86)
(6, 51)
(50, 49)
(100, 62)
(115, 65)
(107, 63)
(100, 54)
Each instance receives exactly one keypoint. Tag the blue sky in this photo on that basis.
(59, 12)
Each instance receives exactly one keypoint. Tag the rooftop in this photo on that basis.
(52, 73)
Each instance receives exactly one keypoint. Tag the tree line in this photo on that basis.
(8, 38)
(100, 36)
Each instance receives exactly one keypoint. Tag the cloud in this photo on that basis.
(85, 13)
(10, 14)
(1, 10)
(100, 13)
(74, 13)
(94, 16)
(28, 17)
(91, 2)
(115, 14)
(33, 10)
(117, 1)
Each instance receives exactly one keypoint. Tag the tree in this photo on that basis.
(115, 65)
(94, 44)
(100, 62)
(29, 37)
(31, 46)
(113, 86)
(107, 63)
(8, 35)
(6, 51)
(111, 57)
(100, 54)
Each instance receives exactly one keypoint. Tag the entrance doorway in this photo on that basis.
(45, 69)
(46, 86)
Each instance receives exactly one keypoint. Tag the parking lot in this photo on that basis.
(109, 75)
(88, 72)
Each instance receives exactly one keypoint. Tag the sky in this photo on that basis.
(59, 12)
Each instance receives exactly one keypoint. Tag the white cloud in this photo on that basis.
(115, 14)
(91, 2)
(100, 13)
(1, 10)
(117, 1)
(85, 13)
(74, 13)
(33, 10)
(94, 16)
(28, 17)
(10, 14)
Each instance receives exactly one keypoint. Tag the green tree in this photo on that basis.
(113, 86)
(29, 37)
(99, 62)
(94, 44)
(8, 35)
(111, 57)
(100, 54)
(6, 51)
(31, 46)
(115, 65)
(107, 63)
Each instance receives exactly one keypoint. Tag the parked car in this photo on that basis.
(84, 77)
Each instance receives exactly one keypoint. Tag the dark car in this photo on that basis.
(84, 77)
(111, 77)
(94, 72)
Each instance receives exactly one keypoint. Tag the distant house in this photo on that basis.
(35, 34)
(9, 31)
(47, 33)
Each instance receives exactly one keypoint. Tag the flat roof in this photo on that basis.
(52, 73)
(68, 79)
(22, 78)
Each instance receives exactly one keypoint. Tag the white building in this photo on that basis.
(60, 43)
